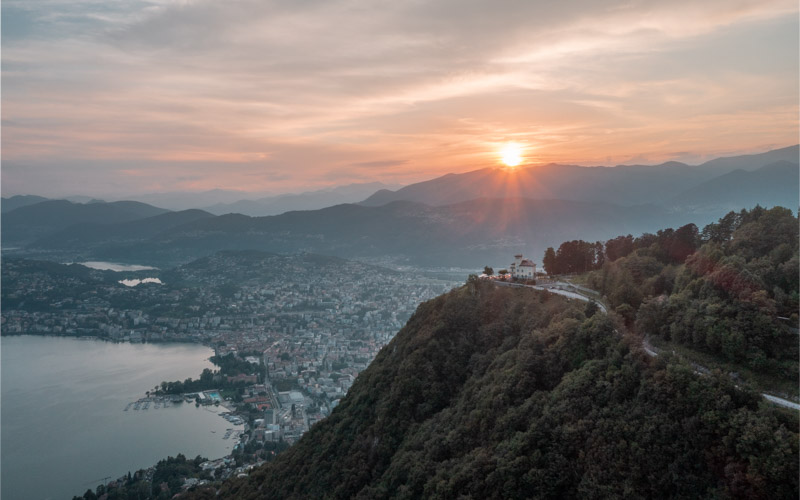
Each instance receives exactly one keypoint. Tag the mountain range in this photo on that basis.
(626, 185)
(184, 200)
(30, 222)
(773, 184)
(469, 219)
(15, 202)
(463, 234)
(87, 235)
(311, 200)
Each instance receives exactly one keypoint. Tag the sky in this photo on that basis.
(109, 97)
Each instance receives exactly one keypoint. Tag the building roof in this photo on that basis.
(527, 262)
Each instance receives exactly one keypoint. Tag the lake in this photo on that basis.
(115, 266)
(63, 425)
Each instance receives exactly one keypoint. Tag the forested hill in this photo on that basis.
(493, 392)
(731, 291)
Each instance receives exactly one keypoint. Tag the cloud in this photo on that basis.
(380, 163)
(312, 87)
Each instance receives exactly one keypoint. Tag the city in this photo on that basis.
(301, 329)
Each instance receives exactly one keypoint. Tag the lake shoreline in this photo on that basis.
(105, 339)
(88, 386)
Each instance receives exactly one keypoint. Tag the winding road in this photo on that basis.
(563, 288)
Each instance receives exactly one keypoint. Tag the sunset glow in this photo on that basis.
(390, 92)
(511, 154)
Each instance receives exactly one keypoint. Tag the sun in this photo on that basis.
(511, 154)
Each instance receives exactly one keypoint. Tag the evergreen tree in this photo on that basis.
(549, 261)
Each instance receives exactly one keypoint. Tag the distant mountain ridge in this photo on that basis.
(186, 200)
(222, 201)
(15, 202)
(28, 223)
(754, 161)
(311, 200)
(625, 185)
(777, 182)
(466, 219)
(87, 235)
(462, 234)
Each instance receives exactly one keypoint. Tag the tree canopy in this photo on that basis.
(493, 392)
(734, 297)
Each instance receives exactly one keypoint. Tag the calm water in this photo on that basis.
(63, 425)
(114, 266)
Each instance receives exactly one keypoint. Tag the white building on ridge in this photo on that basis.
(522, 269)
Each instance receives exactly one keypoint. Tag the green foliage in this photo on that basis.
(621, 246)
(575, 256)
(232, 365)
(513, 393)
(727, 298)
(590, 309)
(549, 261)
(171, 472)
(229, 365)
(206, 381)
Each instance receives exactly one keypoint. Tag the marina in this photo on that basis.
(157, 402)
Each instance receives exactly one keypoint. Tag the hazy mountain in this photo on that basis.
(83, 199)
(755, 161)
(492, 392)
(183, 200)
(622, 185)
(477, 232)
(18, 201)
(312, 200)
(625, 185)
(14, 202)
(88, 235)
(770, 185)
(470, 219)
(31, 222)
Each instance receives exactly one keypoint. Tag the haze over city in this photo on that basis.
(108, 99)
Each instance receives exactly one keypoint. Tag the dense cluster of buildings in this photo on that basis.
(314, 322)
